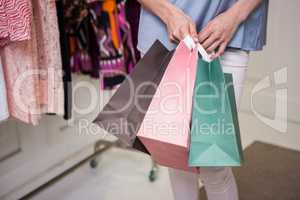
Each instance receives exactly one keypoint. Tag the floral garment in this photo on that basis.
(32, 68)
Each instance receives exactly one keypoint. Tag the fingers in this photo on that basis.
(177, 35)
(173, 38)
(193, 32)
(214, 46)
(210, 40)
(204, 34)
(180, 33)
(220, 51)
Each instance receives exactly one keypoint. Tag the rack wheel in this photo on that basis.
(93, 163)
(153, 174)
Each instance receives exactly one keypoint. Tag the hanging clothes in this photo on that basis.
(117, 56)
(127, 39)
(112, 61)
(15, 18)
(32, 68)
(49, 57)
(3, 98)
(19, 59)
(80, 27)
(133, 9)
(65, 55)
(100, 40)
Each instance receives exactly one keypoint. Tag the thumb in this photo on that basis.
(193, 32)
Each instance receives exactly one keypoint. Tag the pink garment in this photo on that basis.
(49, 56)
(166, 127)
(19, 59)
(33, 69)
(15, 18)
(3, 98)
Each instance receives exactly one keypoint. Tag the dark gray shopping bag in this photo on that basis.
(125, 111)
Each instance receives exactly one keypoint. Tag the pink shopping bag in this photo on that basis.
(166, 127)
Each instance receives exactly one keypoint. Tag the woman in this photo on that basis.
(230, 28)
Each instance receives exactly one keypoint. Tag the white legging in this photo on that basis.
(219, 182)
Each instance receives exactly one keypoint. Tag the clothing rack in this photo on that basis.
(101, 146)
(59, 165)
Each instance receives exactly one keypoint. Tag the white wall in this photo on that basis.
(282, 50)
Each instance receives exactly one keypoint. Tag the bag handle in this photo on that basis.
(203, 52)
(191, 45)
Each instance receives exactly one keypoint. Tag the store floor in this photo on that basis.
(120, 174)
(269, 173)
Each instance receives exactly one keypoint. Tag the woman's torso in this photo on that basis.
(250, 36)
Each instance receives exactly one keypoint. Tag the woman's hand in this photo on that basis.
(218, 32)
(180, 25)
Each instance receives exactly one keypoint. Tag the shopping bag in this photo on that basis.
(123, 114)
(166, 125)
(215, 133)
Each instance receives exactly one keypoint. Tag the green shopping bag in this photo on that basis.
(215, 133)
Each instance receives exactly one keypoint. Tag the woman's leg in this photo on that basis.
(235, 62)
(184, 184)
(219, 182)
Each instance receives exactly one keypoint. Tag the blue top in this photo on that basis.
(250, 36)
